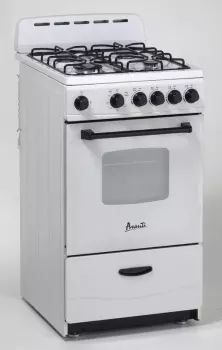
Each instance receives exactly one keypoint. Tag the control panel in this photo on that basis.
(104, 101)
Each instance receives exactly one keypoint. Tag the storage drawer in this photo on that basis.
(95, 289)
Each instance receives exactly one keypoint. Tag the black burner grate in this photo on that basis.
(105, 59)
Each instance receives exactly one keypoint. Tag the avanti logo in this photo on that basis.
(130, 227)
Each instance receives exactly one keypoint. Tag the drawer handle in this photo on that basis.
(135, 271)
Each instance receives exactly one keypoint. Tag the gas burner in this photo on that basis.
(87, 67)
(131, 61)
(153, 65)
(88, 56)
(114, 53)
(107, 58)
(71, 60)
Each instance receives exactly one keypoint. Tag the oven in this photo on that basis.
(133, 184)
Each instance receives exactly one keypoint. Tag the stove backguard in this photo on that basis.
(77, 30)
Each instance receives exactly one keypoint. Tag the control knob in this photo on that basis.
(140, 99)
(174, 97)
(117, 100)
(192, 96)
(157, 98)
(81, 103)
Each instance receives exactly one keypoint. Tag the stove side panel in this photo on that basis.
(41, 113)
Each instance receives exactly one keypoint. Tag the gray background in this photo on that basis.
(190, 29)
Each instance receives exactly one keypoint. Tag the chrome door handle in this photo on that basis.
(89, 134)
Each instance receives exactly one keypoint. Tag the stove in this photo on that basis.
(110, 139)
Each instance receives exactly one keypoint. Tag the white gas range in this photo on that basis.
(111, 175)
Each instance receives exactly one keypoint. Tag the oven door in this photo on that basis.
(133, 184)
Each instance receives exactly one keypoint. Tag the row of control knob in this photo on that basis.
(157, 98)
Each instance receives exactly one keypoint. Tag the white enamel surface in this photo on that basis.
(95, 227)
(42, 194)
(28, 35)
(96, 291)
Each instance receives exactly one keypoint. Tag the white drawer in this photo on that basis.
(95, 290)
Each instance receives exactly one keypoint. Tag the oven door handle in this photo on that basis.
(89, 134)
(136, 271)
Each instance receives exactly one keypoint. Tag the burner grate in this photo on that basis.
(107, 58)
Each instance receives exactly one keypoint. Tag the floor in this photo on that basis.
(22, 329)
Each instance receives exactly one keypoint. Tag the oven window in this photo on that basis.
(135, 176)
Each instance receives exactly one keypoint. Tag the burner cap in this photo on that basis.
(88, 67)
(88, 56)
(151, 64)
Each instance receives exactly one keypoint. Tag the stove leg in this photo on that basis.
(182, 322)
(74, 335)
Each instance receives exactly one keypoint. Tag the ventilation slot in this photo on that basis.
(81, 22)
(41, 24)
(101, 21)
(120, 20)
(61, 23)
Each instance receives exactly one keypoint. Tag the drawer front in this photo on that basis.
(102, 287)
